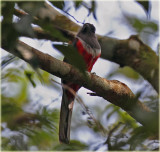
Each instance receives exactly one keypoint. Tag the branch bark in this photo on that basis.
(130, 52)
(113, 91)
(134, 53)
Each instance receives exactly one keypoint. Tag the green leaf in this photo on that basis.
(126, 118)
(58, 4)
(129, 72)
(140, 134)
(77, 4)
(19, 85)
(49, 27)
(31, 7)
(94, 9)
(9, 34)
(29, 75)
(7, 11)
(141, 25)
(146, 6)
(9, 109)
(115, 109)
(72, 56)
(126, 71)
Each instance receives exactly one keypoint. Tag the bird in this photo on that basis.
(88, 47)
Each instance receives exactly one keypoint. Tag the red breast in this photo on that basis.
(88, 57)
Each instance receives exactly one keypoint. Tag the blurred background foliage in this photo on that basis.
(30, 118)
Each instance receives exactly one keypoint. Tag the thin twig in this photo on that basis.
(78, 98)
(72, 17)
(110, 134)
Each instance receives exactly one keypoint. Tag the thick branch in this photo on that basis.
(130, 52)
(134, 53)
(113, 91)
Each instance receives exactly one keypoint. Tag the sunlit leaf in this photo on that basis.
(126, 71)
(9, 110)
(126, 118)
(46, 77)
(17, 86)
(141, 25)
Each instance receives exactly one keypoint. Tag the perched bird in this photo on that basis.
(87, 45)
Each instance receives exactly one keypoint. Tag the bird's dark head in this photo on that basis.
(88, 28)
(87, 35)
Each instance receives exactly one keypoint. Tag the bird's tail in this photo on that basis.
(65, 118)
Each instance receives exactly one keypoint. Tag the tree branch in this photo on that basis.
(130, 52)
(113, 91)
(134, 53)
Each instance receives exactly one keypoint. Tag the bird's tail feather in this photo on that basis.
(65, 118)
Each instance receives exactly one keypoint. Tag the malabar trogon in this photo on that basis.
(87, 45)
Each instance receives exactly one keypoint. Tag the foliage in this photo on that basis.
(29, 125)
(72, 57)
(146, 6)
